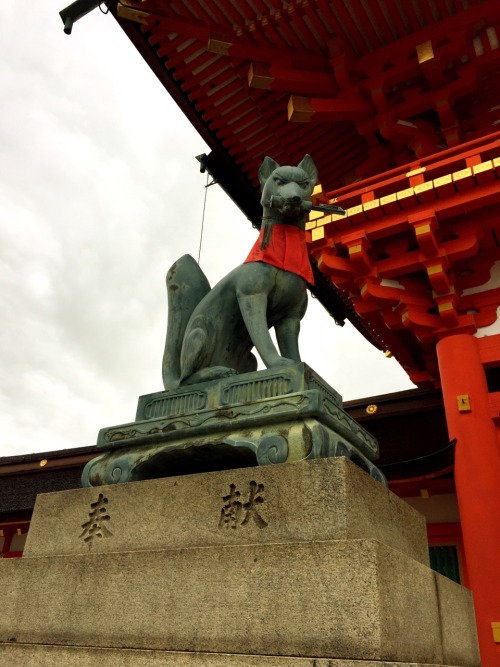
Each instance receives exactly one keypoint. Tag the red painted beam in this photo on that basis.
(302, 82)
(340, 108)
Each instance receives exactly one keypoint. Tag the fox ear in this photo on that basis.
(309, 167)
(266, 169)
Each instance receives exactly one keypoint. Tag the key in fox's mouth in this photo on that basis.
(291, 210)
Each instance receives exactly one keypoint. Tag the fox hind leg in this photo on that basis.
(197, 347)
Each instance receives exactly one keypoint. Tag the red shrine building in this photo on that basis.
(398, 102)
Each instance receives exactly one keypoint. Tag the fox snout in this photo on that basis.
(295, 202)
(291, 192)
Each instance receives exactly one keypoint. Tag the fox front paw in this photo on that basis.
(283, 361)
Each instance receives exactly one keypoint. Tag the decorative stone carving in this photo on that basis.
(287, 414)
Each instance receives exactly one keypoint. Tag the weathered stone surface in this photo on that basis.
(355, 599)
(36, 655)
(327, 499)
(459, 633)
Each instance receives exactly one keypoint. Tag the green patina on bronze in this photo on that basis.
(217, 411)
(259, 418)
(211, 332)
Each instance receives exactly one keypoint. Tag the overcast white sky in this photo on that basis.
(100, 193)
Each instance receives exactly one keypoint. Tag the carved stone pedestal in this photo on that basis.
(272, 416)
(307, 564)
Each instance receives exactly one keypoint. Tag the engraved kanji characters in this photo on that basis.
(98, 516)
(236, 513)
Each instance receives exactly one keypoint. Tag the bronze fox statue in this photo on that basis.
(211, 332)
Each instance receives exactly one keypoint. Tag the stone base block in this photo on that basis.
(327, 499)
(37, 655)
(348, 599)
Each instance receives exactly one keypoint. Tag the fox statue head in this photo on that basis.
(286, 193)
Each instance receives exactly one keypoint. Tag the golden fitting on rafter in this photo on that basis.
(259, 77)
(482, 166)
(132, 14)
(443, 307)
(219, 46)
(423, 229)
(463, 402)
(463, 173)
(425, 52)
(299, 109)
(423, 187)
(436, 268)
(442, 180)
(416, 172)
(317, 234)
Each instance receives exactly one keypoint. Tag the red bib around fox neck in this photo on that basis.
(286, 250)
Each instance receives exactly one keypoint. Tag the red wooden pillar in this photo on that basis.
(477, 479)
